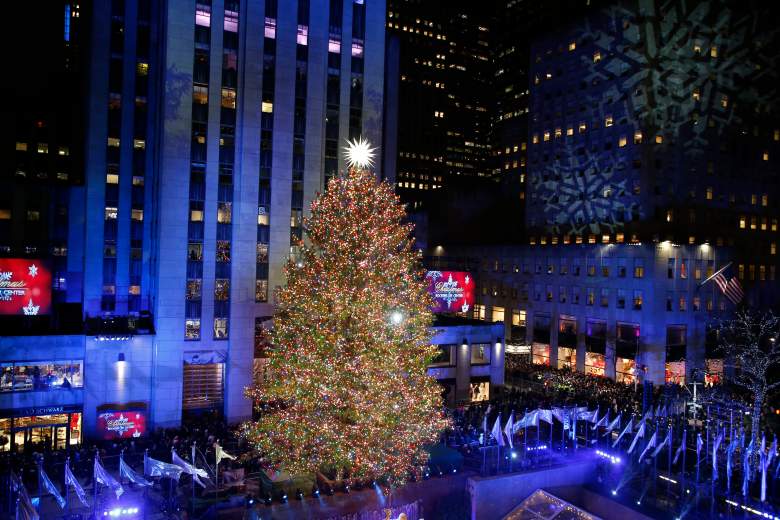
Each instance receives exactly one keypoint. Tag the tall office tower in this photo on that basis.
(444, 94)
(210, 127)
(40, 136)
(652, 164)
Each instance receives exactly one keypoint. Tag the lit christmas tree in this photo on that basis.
(349, 393)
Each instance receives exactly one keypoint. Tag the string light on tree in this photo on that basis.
(350, 394)
(359, 153)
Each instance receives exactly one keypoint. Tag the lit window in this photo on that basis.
(138, 180)
(111, 213)
(638, 138)
(608, 121)
(765, 156)
(228, 98)
(43, 148)
(231, 21)
(622, 141)
(34, 215)
(709, 193)
(714, 51)
(303, 35)
(774, 224)
(696, 94)
(220, 328)
(558, 134)
(21, 147)
(724, 101)
(267, 107)
(596, 57)
(546, 136)
(357, 49)
(776, 135)
(334, 45)
(570, 130)
(535, 139)
(192, 329)
(113, 142)
(137, 214)
(196, 215)
(139, 144)
(572, 46)
(270, 28)
(772, 248)
(669, 215)
(142, 69)
(224, 212)
(753, 223)
(697, 47)
(742, 222)
(5, 214)
(583, 127)
(763, 223)
(200, 94)
(203, 15)
(112, 178)
(659, 139)
(764, 199)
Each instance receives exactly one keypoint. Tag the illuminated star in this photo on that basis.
(32, 270)
(30, 309)
(359, 153)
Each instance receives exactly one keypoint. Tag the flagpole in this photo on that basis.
(716, 273)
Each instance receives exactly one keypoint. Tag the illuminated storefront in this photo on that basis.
(625, 370)
(596, 348)
(626, 347)
(676, 346)
(540, 354)
(567, 342)
(41, 375)
(714, 372)
(42, 428)
(479, 390)
(540, 348)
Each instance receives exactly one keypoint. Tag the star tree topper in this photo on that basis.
(359, 153)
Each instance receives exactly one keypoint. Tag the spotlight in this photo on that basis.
(284, 498)
(454, 470)
(514, 454)
(639, 502)
(329, 491)
(299, 494)
(614, 492)
(268, 500)
(687, 491)
(427, 474)
(346, 488)
(315, 492)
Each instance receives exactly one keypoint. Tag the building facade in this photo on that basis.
(210, 127)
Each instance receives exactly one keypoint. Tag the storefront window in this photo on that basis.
(567, 358)
(41, 375)
(594, 364)
(40, 432)
(479, 391)
(625, 370)
(444, 357)
(714, 372)
(541, 354)
(480, 353)
(675, 372)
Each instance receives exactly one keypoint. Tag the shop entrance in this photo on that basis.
(41, 432)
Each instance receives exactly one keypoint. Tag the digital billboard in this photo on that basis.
(25, 287)
(124, 424)
(452, 291)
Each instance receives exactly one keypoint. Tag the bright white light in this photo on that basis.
(359, 153)
(396, 317)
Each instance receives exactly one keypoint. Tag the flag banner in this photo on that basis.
(102, 476)
(746, 467)
(715, 447)
(496, 431)
(650, 444)
(187, 467)
(601, 422)
(560, 414)
(222, 454)
(24, 507)
(680, 449)
(530, 419)
(70, 480)
(766, 461)
(507, 432)
(546, 416)
(699, 444)
(158, 468)
(50, 488)
(732, 447)
(657, 412)
(614, 424)
(629, 427)
(125, 471)
(648, 416)
(667, 440)
(588, 416)
(639, 433)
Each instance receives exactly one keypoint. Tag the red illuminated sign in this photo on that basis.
(452, 291)
(25, 287)
(125, 424)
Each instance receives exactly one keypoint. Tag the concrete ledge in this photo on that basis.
(494, 497)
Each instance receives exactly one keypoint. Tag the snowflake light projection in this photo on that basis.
(582, 192)
(682, 67)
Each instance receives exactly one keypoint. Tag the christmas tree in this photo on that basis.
(351, 341)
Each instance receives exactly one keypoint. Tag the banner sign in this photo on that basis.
(452, 291)
(25, 287)
(125, 424)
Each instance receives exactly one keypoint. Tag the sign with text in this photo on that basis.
(452, 291)
(124, 424)
(25, 287)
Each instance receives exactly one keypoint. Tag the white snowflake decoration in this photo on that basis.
(30, 309)
(32, 270)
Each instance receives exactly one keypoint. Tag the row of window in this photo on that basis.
(41, 375)
(592, 266)
(479, 355)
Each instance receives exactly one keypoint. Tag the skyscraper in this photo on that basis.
(210, 127)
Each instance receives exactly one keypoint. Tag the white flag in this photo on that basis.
(508, 428)
(222, 454)
(627, 429)
(189, 468)
(602, 421)
(614, 424)
(496, 431)
(102, 476)
(650, 444)
(70, 480)
(667, 440)
(639, 433)
(715, 447)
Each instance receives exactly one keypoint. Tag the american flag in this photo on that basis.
(731, 288)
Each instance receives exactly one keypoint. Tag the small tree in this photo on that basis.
(351, 342)
(749, 343)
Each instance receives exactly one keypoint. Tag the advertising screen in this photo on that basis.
(452, 291)
(124, 424)
(25, 287)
